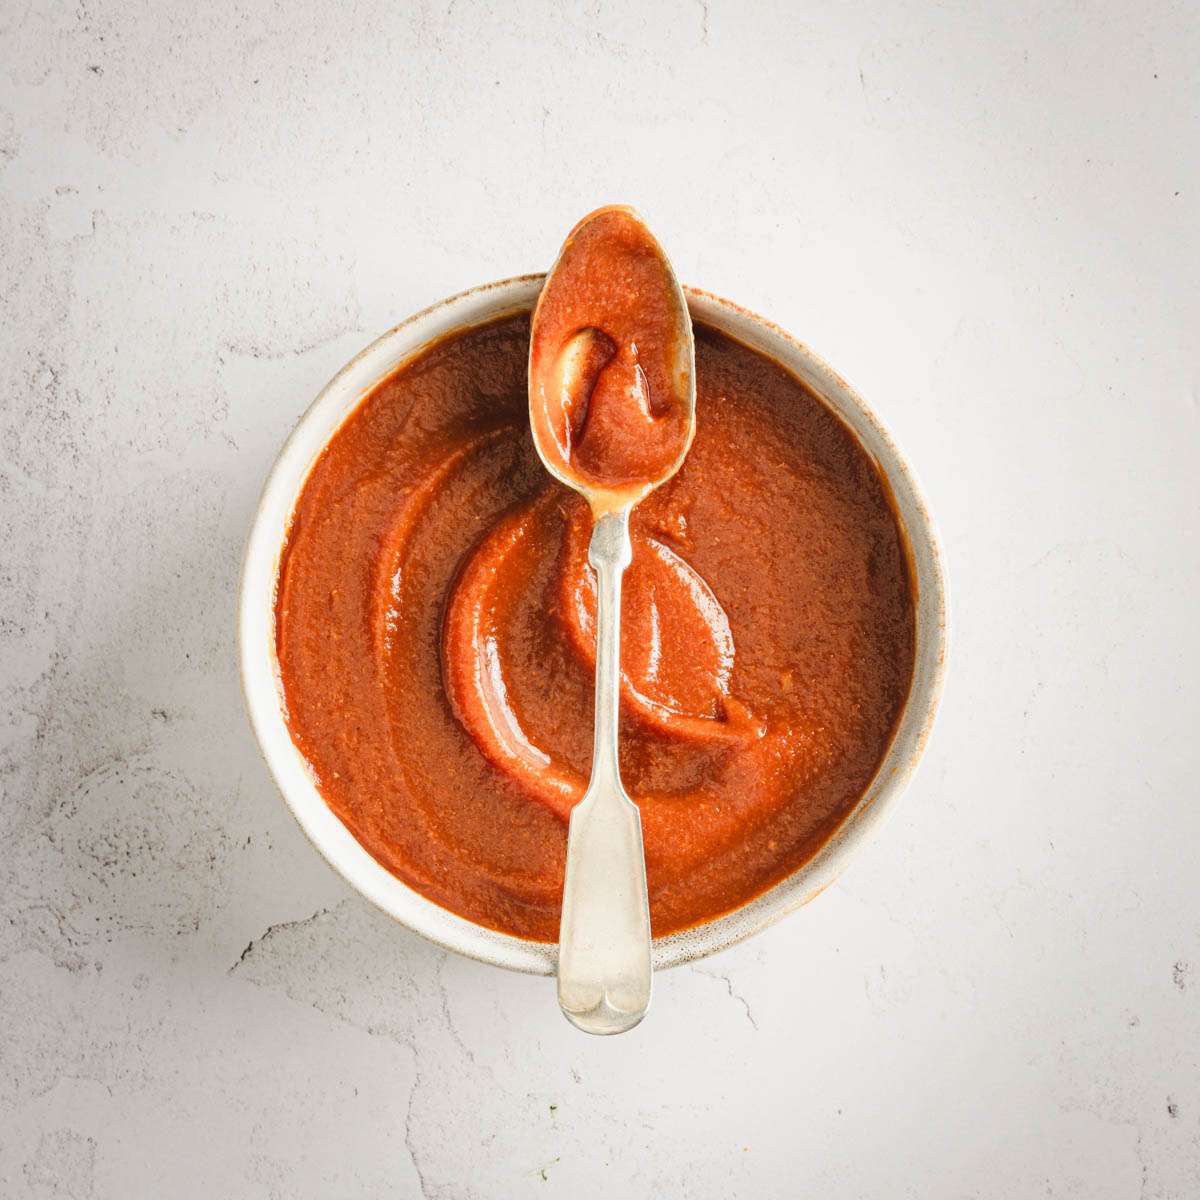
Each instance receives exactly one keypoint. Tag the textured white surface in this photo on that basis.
(983, 214)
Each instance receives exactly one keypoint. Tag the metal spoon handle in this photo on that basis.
(604, 939)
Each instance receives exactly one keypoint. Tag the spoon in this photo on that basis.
(612, 396)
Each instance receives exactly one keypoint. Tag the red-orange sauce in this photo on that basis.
(434, 632)
(610, 370)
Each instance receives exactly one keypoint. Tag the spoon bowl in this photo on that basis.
(612, 342)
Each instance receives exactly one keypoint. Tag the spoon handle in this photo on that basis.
(604, 939)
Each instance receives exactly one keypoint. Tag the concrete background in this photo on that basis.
(984, 214)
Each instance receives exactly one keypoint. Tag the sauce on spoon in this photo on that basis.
(611, 362)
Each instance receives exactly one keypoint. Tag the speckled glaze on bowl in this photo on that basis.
(260, 669)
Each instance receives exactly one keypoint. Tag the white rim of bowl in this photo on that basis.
(260, 671)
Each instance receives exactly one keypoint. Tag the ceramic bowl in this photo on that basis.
(260, 671)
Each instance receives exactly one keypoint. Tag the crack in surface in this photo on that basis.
(271, 931)
(410, 1142)
(429, 1190)
(448, 1017)
(734, 994)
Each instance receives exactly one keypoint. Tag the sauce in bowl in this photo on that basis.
(434, 632)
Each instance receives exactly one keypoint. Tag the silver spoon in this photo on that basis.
(604, 971)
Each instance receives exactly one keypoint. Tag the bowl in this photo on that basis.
(260, 669)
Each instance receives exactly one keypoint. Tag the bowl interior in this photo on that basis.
(260, 672)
